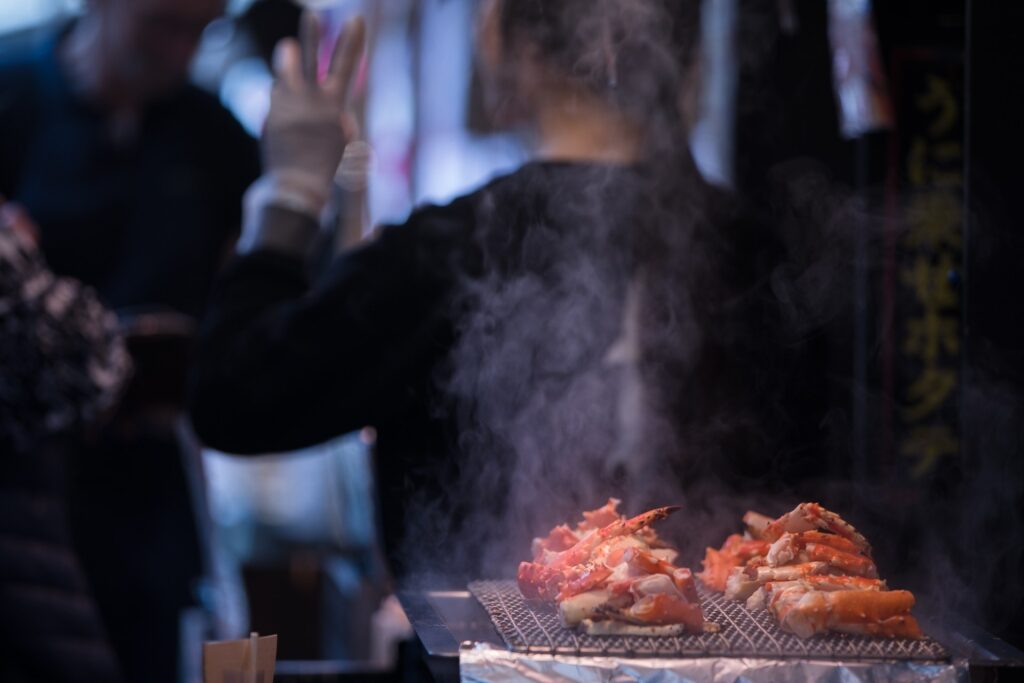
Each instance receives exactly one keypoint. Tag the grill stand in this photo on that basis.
(535, 629)
(460, 641)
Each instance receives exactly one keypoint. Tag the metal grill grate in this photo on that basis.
(535, 629)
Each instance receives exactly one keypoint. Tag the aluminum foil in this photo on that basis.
(480, 662)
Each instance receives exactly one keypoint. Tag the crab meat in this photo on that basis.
(812, 516)
(758, 600)
(817, 575)
(665, 608)
(857, 565)
(804, 611)
(580, 552)
(583, 578)
(666, 554)
(756, 523)
(735, 552)
(666, 599)
(621, 560)
(743, 581)
(538, 581)
(594, 604)
(659, 599)
(561, 538)
(822, 582)
(601, 517)
(610, 570)
(653, 599)
(815, 546)
(546, 578)
(646, 563)
(832, 582)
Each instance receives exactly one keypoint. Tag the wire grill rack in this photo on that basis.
(535, 629)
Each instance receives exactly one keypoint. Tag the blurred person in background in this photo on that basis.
(63, 366)
(266, 22)
(598, 322)
(134, 178)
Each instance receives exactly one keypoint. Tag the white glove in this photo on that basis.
(307, 127)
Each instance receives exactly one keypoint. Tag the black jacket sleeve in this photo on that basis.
(282, 365)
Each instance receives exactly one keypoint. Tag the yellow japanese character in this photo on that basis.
(949, 152)
(929, 392)
(931, 282)
(946, 180)
(928, 336)
(936, 220)
(927, 444)
(917, 163)
(939, 99)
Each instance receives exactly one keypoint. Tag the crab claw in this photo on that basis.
(580, 552)
(811, 516)
(539, 582)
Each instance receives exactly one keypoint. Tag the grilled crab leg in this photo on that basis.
(735, 552)
(580, 552)
(823, 582)
(666, 600)
(812, 516)
(804, 611)
(545, 580)
(815, 546)
(743, 581)
(648, 600)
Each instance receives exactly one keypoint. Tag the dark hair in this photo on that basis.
(634, 53)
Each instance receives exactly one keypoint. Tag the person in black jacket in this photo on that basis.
(63, 366)
(134, 178)
(599, 322)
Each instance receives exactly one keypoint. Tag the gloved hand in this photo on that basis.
(306, 129)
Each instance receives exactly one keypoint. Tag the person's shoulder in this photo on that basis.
(502, 195)
(436, 225)
(464, 206)
(503, 191)
(544, 177)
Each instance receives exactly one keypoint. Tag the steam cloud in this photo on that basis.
(629, 348)
(595, 363)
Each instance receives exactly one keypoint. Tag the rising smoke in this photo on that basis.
(636, 334)
(623, 336)
(618, 338)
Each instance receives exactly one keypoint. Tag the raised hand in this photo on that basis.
(309, 122)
